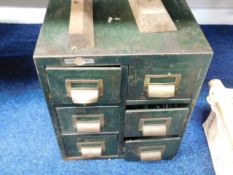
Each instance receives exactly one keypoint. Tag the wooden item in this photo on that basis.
(151, 16)
(128, 96)
(81, 24)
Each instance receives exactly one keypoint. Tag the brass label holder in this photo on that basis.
(152, 153)
(88, 123)
(161, 89)
(154, 126)
(84, 93)
(91, 149)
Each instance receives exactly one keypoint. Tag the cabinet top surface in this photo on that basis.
(120, 37)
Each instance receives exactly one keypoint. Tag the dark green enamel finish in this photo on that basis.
(122, 56)
(121, 37)
(111, 77)
(185, 66)
(176, 116)
(71, 144)
(111, 116)
(171, 146)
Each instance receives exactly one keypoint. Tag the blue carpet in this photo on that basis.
(27, 140)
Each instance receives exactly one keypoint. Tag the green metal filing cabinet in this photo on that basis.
(127, 95)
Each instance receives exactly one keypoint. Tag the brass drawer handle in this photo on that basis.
(84, 91)
(88, 127)
(90, 152)
(154, 130)
(154, 126)
(84, 96)
(164, 86)
(88, 123)
(151, 153)
(157, 90)
(92, 149)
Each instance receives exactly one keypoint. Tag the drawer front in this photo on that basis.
(163, 81)
(155, 122)
(87, 120)
(84, 85)
(151, 150)
(95, 146)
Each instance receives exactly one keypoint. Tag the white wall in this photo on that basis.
(23, 3)
(32, 11)
(211, 3)
(192, 3)
(212, 11)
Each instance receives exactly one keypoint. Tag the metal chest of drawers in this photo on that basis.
(138, 90)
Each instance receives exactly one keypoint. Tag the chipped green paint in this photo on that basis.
(176, 116)
(111, 78)
(122, 56)
(170, 147)
(109, 142)
(121, 37)
(111, 117)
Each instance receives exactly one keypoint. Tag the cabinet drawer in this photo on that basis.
(153, 149)
(86, 120)
(93, 146)
(174, 80)
(155, 122)
(84, 85)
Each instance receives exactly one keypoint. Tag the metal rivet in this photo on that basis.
(74, 48)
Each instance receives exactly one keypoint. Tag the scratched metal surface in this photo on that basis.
(121, 37)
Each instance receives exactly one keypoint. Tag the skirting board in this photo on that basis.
(36, 15)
